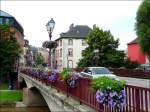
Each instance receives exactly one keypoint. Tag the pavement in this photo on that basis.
(136, 81)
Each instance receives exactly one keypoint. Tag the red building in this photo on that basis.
(135, 53)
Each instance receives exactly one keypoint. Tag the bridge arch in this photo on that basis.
(32, 96)
(35, 92)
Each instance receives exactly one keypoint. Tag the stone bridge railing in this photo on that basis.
(56, 101)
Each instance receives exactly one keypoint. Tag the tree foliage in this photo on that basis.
(142, 26)
(39, 59)
(106, 45)
(9, 49)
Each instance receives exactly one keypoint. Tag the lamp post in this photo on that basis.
(50, 44)
(67, 61)
(96, 57)
(50, 26)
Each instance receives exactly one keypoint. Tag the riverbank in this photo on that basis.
(10, 95)
(10, 99)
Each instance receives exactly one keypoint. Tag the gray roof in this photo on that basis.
(14, 24)
(78, 32)
(135, 41)
(4, 14)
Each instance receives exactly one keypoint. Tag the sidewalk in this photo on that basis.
(136, 82)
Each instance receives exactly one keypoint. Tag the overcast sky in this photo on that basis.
(116, 16)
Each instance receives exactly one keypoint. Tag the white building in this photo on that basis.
(70, 46)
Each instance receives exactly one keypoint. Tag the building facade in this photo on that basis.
(6, 18)
(70, 46)
(33, 51)
(135, 54)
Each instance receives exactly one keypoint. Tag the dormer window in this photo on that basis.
(70, 42)
(60, 42)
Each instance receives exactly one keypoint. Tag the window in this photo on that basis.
(70, 52)
(70, 42)
(4, 21)
(83, 42)
(60, 63)
(57, 43)
(60, 53)
(1, 21)
(60, 42)
(70, 63)
(57, 53)
(7, 21)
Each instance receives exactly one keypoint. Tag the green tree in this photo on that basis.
(142, 26)
(39, 59)
(9, 49)
(131, 64)
(106, 46)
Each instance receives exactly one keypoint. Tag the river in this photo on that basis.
(24, 109)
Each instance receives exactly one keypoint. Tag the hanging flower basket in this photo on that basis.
(59, 78)
(53, 76)
(73, 80)
(70, 78)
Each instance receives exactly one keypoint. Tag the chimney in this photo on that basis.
(71, 26)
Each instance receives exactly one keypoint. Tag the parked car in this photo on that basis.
(95, 72)
(145, 67)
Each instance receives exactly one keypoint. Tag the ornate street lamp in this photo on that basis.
(50, 26)
(50, 44)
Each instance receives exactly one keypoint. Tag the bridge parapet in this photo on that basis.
(137, 98)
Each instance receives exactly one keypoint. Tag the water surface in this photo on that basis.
(24, 109)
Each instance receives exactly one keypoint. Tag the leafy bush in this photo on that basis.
(65, 74)
(131, 64)
(104, 82)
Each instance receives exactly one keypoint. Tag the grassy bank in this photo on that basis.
(3, 86)
(10, 95)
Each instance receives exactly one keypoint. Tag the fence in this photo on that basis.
(131, 73)
(137, 98)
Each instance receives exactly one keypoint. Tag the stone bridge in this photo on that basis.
(37, 93)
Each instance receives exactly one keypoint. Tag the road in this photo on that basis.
(136, 81)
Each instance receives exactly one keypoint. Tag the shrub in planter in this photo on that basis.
(109, 91)
(65, 74)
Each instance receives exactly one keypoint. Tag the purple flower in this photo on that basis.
(111, 94)
(53, 76)
(111, 98)
(72, 82)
